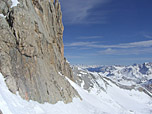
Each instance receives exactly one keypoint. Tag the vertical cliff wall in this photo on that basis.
(32, 52)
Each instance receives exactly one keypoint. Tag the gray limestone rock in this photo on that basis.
(32, 51)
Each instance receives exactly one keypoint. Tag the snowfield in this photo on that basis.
(14, 3)
(113, 101)
(1, 15)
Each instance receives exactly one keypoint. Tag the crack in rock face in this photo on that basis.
(32, 51)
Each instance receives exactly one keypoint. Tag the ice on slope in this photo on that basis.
(1, 15)
(126, 102)
(14, 3)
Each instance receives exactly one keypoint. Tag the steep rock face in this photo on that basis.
(32, 52)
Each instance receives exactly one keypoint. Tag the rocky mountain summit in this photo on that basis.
(32, 52)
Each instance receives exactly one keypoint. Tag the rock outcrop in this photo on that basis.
(1, 112)
(32, 52)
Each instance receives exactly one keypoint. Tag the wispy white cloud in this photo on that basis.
(141, 43)
(108, 51)
(148, 36)
(124, 45)
(134, 51)
(83, 44)
(90, 37)
(77, 11)
(133, 48)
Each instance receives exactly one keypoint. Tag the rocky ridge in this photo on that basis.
(32, 52)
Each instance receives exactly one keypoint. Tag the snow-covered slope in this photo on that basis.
(14, 3)
(104, 97)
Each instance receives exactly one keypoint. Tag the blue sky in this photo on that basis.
(107, 31)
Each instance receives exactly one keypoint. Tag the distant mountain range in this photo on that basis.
(133, 76)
